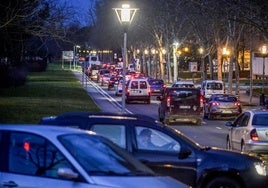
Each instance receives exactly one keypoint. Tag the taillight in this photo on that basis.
(254, 135)
(215, 104)
(237, 104)
(201, 99)
(168, 101)
(164, 86)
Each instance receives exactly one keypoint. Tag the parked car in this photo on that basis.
(181, 105)
(170, 152)
(156, 86)
(138, 89)
(52, 156)
(184, 84)
(222, 105)
(249, 132)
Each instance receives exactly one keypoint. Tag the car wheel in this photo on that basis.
(228, 143)
(205, 115)
(210, 116)
(223, 182)
(127, 101)
(199, 122)
(148, 101)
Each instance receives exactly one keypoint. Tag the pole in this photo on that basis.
(124, 74)
(263, 72)
(175, 63)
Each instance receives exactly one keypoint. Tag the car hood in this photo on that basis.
(138, 181)
(225, 158)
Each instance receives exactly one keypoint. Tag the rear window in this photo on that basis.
(260, 119)
(143, 85)
(156, 82)
(184, 94)
(215, 86)
(226, 99)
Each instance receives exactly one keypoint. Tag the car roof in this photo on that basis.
(257, 111)
(107, 115)
(52, 131)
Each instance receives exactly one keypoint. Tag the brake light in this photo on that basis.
(201, 99)
(254, 135)
(215, 104)
(26, 146)
(237, 104)
(168, 101)
(164, 86)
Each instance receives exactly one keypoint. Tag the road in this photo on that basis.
(211, 133)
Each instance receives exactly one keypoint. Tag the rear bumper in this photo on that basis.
(138, 97)
(187, 118)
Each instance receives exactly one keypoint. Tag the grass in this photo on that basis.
(45, 93)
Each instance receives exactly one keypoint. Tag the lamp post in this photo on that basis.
(74, 57)
(201, 51)
(264, 53)
(125, 15)
(175, 62)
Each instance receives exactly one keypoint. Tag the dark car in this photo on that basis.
(113, 79)
(181, 105)
(167, 151)
(222, 105)
(156, 86)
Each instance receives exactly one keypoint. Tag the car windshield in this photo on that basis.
(98, 156)
(260, 119)
(214, 86)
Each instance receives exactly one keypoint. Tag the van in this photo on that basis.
(210, 87)
(179, 104)
(138, 89)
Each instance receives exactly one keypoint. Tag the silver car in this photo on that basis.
(249, 132)
(51, 156)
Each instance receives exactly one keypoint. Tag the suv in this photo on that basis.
(169, 152)
(184, 84)
(138, 89)
(181, 105)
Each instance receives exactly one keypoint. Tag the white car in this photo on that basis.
(119, 88)
(51, 156)
(138, 89)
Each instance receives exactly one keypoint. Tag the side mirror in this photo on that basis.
(184, 153)
(229, 124)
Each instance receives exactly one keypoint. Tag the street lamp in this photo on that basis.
(175, 62)
(264, 53)
(125, 16)
(201, 51)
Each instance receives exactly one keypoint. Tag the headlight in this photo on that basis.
(261, 168)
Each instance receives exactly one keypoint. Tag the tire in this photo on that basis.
(223, 182)
(148, 101)
(205, 115)
(228, 143)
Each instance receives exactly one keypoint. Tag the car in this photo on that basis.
(138, 89)
(104, 79)
(184, 84)
(156, 86)
(249, 132)
(119, 88)
(112, 81)
(209, 87)
(181, 105)
(170, 152)
(222, 105)
(52, 156)
(102, 72)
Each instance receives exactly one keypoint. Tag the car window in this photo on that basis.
(33, 155)
(143, 85)
(116, 133)
(182, 95)
(260, 119)
(214, 86)
(134, 85)
(151, 139)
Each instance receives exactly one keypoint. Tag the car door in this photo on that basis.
(32, 161)
(238, 131)
(162, 154)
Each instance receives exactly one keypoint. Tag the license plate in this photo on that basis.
(185, 107)
(226, 111)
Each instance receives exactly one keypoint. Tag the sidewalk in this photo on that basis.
(246, 101)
